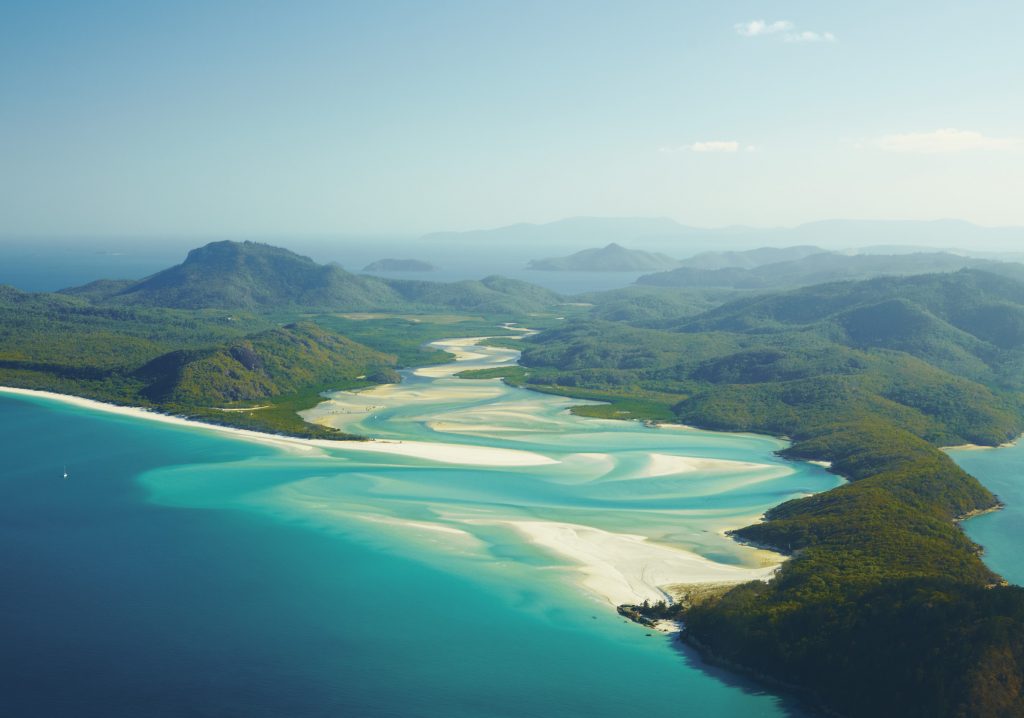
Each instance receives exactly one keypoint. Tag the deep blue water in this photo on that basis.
(114, 606)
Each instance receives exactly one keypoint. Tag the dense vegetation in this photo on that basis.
(205, 364)
(258, 277)
(612, 258)
(886, 607)
(728, 270)
(241, 333)
(750, 258)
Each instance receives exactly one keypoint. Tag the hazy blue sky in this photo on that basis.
(378, 116)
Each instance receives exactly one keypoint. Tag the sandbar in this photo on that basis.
(628, 568)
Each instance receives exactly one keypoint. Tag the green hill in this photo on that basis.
(969, 323)
(749, 258)
(252, 276)
(612, 258)
(823, 267)
(492, 295)
(279, 361)
(248, 276)
(193, 362)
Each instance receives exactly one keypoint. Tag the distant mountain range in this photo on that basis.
(588, 231)
(612, 258)
(258, 277)
(676, 239)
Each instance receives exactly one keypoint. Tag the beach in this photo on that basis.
(495, 447)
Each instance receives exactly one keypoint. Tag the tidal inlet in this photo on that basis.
(506, 485)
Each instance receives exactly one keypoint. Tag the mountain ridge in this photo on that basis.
(252, 276)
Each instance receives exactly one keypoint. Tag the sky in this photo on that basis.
(267, 118)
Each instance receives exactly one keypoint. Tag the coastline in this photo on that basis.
(614, 568)
(982, 447)
(288, 443)
(452, 453)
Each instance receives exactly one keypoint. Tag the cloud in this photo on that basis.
(809, 36)
(760, 27)
(715, 146)
(708, 146)
(788, 31)
(944, 140)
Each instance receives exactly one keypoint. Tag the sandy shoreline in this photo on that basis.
(981, 447)
(615, 567)
(444, 453)
(628, 568)
(287, 443)
(670, 464)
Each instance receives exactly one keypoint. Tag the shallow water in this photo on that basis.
(1001, 533)
(180, 571)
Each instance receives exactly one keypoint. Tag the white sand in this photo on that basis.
(444, 453)
(462, 454)
(453, 427)
(668, 465)
(627, 568)
(306, 446)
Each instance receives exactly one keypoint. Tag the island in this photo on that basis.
(399, 265)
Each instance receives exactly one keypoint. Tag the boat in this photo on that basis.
(65, 471)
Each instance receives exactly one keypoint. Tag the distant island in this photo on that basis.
(611, 258)
(399, 265)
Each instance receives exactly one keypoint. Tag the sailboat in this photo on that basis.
(65, 471)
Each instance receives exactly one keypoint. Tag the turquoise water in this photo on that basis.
(1001, 533)
(182, 571)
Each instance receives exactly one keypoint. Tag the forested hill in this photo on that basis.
(248, 275)
(886, 607)
(749, 258)
(209, 364)
(612, 258)
(970, 323)
(823, 267)
(279, 361)
(258, 277)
